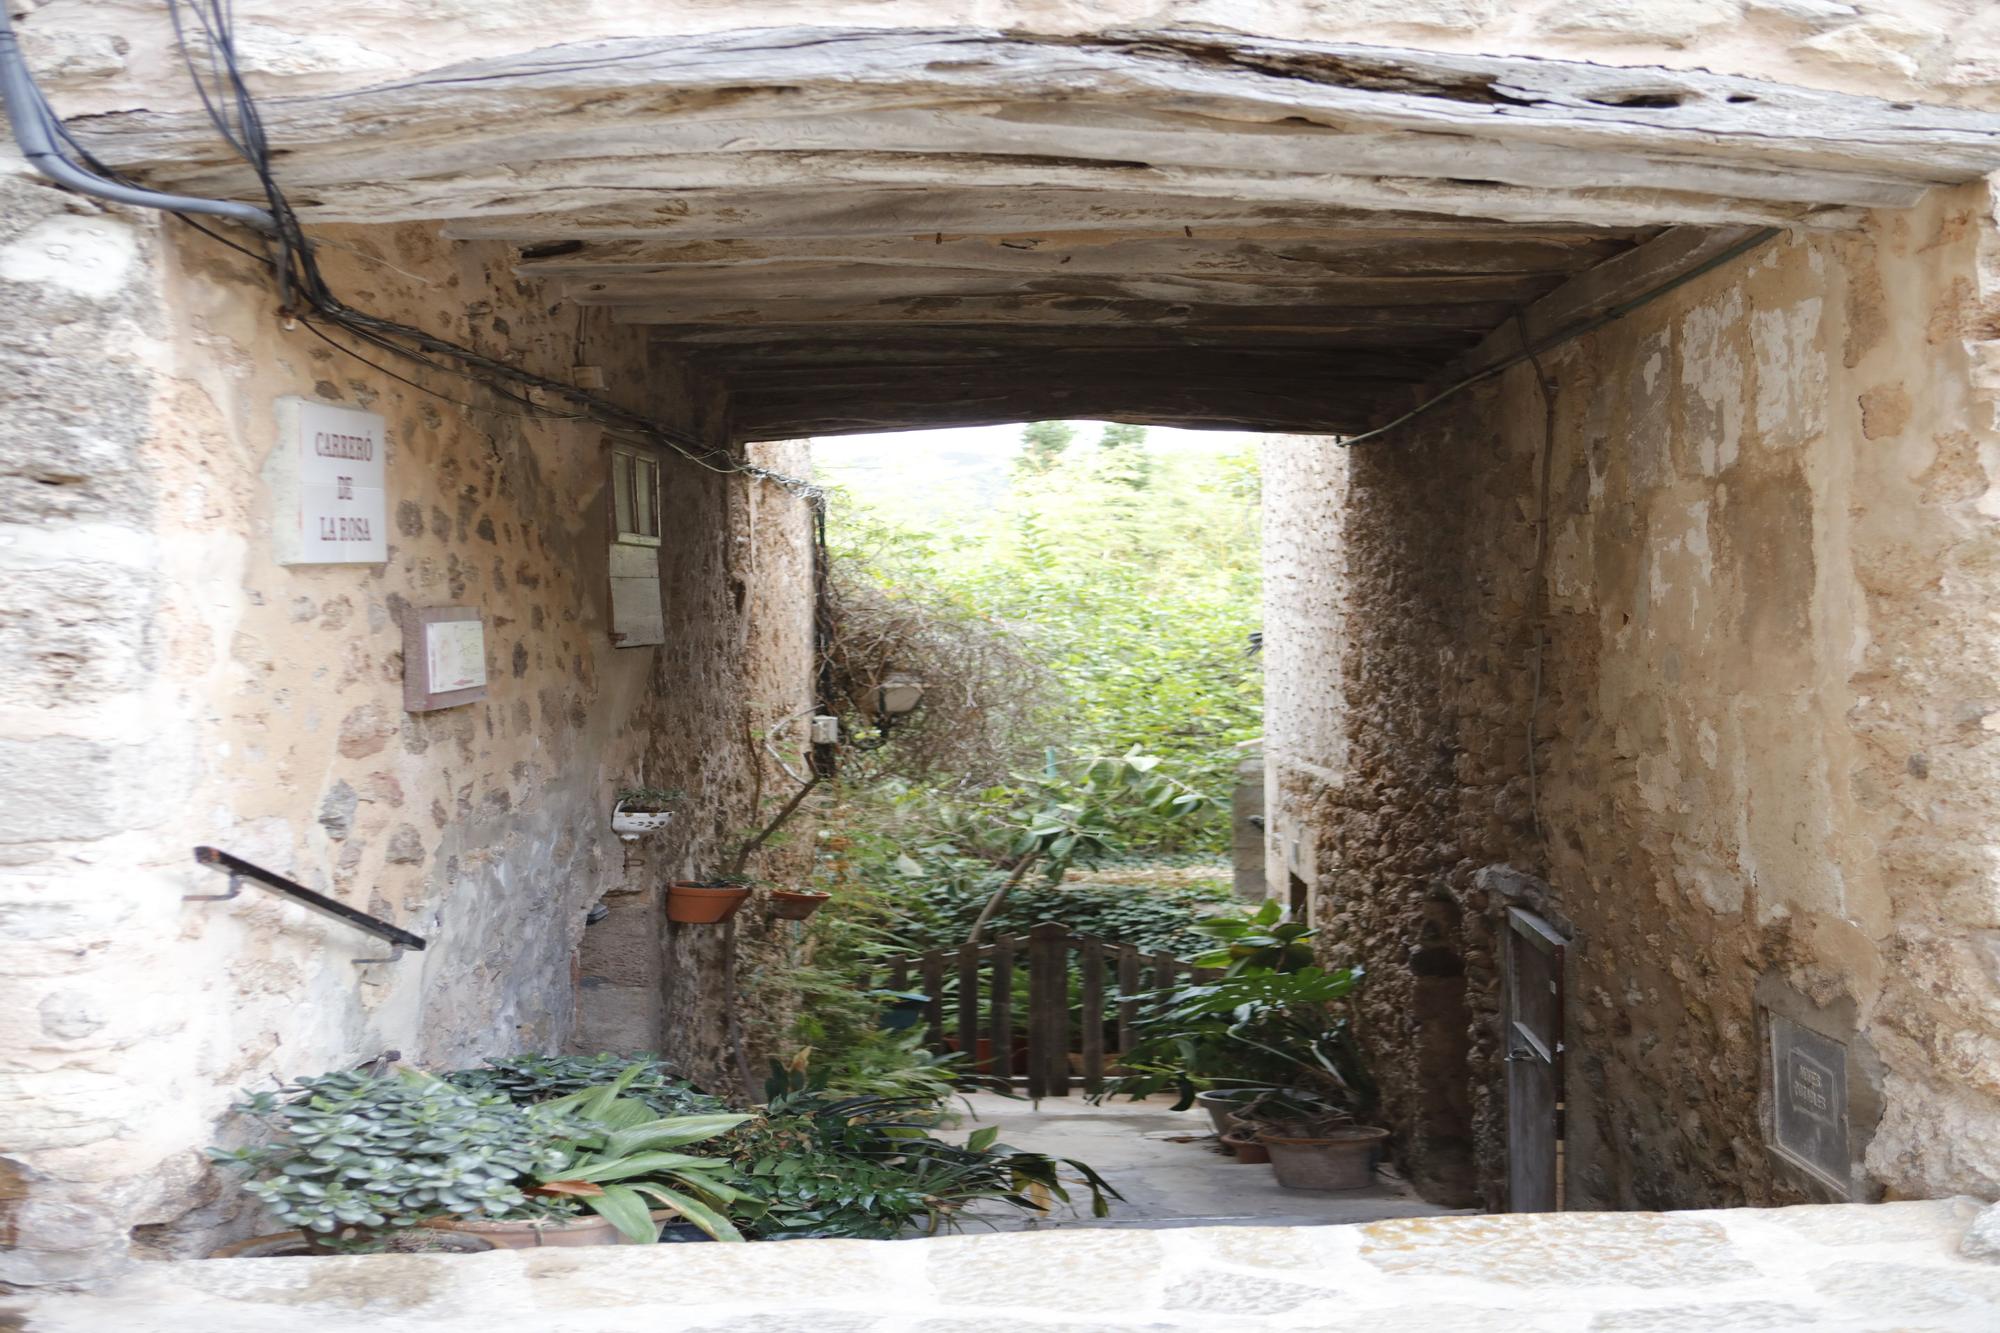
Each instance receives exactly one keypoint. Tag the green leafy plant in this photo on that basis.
(651, 799)
(529, 1079)
(1260, 1029)
(358, 1152)
(1258, 942)
(869, 1167)
(1155, 919)
(1075, 814)
(617, 1154)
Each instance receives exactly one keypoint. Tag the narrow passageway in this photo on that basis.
(1522, 487)
(1170, 1168)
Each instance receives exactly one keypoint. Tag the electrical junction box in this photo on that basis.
(825, 730)
(329, 485)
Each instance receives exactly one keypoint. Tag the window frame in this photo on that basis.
(635, 477)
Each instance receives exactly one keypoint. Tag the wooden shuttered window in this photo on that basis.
(637, 613)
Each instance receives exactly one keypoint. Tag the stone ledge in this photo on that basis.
(1848, 1267)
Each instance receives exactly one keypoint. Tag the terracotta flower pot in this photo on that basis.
(1247, 1149)
(413, 1240)
(1341, 1159)
(704, 904)
(533, 1234)
(796, 904)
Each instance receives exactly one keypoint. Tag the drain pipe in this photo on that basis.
(35, 131)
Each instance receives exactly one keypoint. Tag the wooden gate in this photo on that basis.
(1082, 1002)
(1533, 1033)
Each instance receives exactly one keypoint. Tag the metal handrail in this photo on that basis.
(239, 870)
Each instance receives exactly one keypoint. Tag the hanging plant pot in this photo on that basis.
(630, 824)
(704, 904)
(796, 904)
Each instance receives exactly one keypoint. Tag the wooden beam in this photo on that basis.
(775, 288)
(836, 363)
(586, 125)
(744, 184)
(1066, 309)
(1599, 289)
(751, 341)
(1464, 248)
(902, 212)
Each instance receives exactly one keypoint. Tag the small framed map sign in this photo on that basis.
(444, 657)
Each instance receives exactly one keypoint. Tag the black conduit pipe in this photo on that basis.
(34, 130)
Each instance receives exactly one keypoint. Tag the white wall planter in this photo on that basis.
(632, 824)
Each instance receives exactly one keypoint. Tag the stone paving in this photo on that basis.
(1170, 1169)
(1840, 1269)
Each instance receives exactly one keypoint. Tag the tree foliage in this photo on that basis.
(1131, 577)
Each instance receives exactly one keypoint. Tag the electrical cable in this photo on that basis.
(40, 137)
(304, 294)
(1568, 332)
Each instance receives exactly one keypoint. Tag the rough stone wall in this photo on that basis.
(112, 54)
(169, 684)
(1766, 768)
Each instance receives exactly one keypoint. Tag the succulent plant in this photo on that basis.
(528, 1079)
(390, 1150)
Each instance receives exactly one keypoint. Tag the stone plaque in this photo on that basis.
(329, 485)
(444, 657)
(1809, 1101)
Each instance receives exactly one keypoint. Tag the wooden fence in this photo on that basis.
(981, 1020)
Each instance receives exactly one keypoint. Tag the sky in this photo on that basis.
(968, 466)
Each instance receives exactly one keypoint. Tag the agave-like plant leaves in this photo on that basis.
(626, 1209)
(593, 1103)
(713, 1223)
(671, 1132)
(640, 1164)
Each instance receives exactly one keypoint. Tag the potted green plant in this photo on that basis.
(1314, 1143)
(1241, 1139)
(615, 1158)
(706, 902)
(355, 1157)
(714, 900)
(1262, 941)
(642, 810)
(796, 904)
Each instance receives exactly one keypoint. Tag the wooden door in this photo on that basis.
(1533, 1031)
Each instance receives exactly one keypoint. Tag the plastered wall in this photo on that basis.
(168, 684)
(1766, 771)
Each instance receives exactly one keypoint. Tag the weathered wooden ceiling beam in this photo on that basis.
(777, 287)
(837, 212)
(748, 182)
(753, 340)
(1065, 309)
(1600, 289)
(1248, 406)
(1463, 248)
(835, 363)
(1478, 135)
